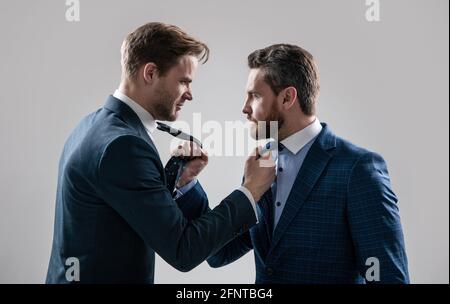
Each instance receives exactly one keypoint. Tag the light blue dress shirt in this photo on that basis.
(291, 154)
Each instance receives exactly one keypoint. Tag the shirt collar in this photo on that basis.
(145, 117)
(298, 140)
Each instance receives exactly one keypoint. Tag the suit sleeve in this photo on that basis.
(375, 222)
(131, 183)
(232, 251)
(194, 204)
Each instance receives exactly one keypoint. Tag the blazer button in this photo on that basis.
(269, 271)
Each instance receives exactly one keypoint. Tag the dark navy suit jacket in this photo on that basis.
(113, 211)
(340, 212)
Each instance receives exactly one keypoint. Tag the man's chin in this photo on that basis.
(173, 116)
(251, 127)
(254, 133)
(170, 116)
(258, 134)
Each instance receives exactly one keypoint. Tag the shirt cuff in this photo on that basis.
(183, 190)
(249, 195)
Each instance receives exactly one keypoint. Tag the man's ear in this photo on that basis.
(289, 96)
(149, 72)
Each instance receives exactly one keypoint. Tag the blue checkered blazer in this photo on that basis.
(340, 213)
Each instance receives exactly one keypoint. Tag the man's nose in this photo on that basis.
(246, 109)
(188, 95)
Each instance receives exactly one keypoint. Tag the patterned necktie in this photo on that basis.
(268, 203)
(175, 166)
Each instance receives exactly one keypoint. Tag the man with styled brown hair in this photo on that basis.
(113, 209)
(331, 215)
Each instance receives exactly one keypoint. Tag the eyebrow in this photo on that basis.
(187, 79)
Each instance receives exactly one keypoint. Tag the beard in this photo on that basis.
(164, 105)
(264, 129)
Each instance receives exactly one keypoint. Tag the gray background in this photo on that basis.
(384, 87)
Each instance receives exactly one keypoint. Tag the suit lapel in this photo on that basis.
(131, 118)
(310, 172)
